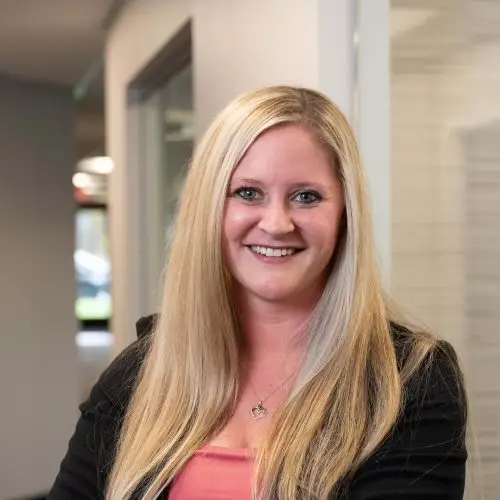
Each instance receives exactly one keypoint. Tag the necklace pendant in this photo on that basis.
(259, 411)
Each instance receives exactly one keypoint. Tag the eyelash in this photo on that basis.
(316, 195)
(238, 192)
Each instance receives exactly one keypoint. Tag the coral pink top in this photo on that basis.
(215, 473)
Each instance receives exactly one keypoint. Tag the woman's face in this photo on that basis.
(282, 216)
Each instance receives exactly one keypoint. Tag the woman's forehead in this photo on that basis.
(289, 153)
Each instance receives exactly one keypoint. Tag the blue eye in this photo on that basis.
(248, 193)
(308, 197)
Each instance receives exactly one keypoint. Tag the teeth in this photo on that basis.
(273, 252)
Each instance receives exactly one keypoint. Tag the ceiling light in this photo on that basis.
(96, 165)
(81, 180)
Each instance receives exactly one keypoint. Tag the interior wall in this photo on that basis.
(238, 46)
(242, 45)
(139, 33)
(428, 176)
(446, 199)
(38, 360)
(481, 150)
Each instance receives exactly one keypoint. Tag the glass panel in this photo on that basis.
(176, 101)
(165, 141)
(92, 265)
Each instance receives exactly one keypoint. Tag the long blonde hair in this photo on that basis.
(348, 393)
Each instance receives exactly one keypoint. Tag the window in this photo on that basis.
(176, 101)
(92, 266)
(91, 257)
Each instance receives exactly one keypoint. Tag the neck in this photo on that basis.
(272, 330)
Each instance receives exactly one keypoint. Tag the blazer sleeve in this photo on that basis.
(84, 470)
(425, 455)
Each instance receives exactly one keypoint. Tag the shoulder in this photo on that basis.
(438, 373)
(436, 382)
(109, 398)
(425, 454)
(115, 385)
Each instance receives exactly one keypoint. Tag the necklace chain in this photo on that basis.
(259, 411)
(275, 390)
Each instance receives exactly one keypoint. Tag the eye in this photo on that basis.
(248, 193)
(307, 197)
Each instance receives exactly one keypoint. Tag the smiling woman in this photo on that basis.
(277, 368)
(285, 200)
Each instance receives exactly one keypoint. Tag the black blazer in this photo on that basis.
(423, 458)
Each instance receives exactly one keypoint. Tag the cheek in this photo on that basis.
(238, 220)
(323, 232)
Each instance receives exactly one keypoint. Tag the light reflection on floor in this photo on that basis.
(94, 355)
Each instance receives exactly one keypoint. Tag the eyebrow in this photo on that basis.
(238, 180)
(295, 185)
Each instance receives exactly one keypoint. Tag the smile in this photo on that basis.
(273, 252)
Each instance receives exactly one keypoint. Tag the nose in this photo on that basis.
(276, 220)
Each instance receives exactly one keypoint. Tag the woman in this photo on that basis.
(276, 368)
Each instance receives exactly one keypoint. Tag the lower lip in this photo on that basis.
(272, 260)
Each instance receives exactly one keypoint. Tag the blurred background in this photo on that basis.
(101, 102)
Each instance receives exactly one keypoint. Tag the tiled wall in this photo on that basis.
(445, 175)
(482, 152)
(427, 176)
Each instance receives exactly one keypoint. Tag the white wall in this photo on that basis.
(241, 45)
(372, 119)
(38, 359)
(238, 45)
(446, 199)
(140, 32)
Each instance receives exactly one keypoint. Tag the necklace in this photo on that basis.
(259, 411)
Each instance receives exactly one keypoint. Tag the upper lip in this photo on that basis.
(276, 247)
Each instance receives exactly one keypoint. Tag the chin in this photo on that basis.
(275, 298)
(273, 293)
